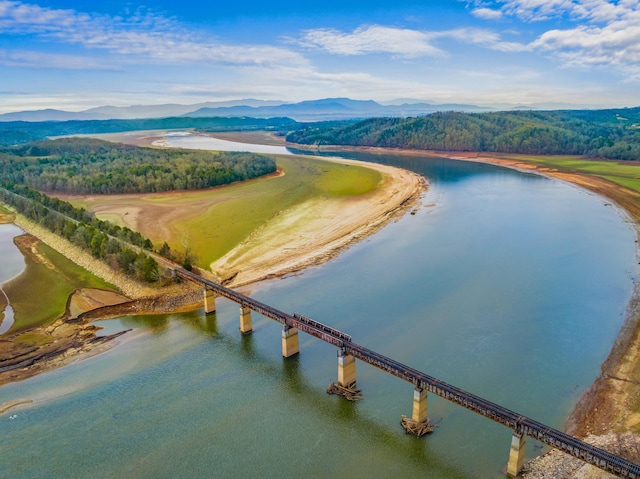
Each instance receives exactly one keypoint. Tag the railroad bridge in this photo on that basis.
(348, 352)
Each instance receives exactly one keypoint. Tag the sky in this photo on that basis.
(74, 55)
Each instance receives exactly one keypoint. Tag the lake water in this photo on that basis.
(197, 142)
(509, 285)
(11, 265)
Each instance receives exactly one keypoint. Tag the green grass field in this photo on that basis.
(39, 295)
(247, 206)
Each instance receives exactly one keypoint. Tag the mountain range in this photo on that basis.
(310, 110)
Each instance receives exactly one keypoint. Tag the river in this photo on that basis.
(509, 285)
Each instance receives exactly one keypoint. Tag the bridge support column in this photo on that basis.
(346, 369)
(419, 424)
(419, 405)
(290, 344)
(209, 301)
(245, 320)
(516, 455)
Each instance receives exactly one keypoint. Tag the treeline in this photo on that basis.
(105, 241)
(90, 166)
(19, 132)
(613, 134)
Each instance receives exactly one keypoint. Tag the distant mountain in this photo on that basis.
(129, 112)
(170, 109)
(50, 115)
(333, 109)
(309, 110)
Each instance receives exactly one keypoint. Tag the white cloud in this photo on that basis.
(535, 10)
(401, 41)
(372, 39)
(615, 46)
(34, 59)
(598, 33)
(591, 10)
(145, 36)
(486, 13)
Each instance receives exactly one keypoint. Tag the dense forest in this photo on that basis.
(89, 166)
(19, 132)
(612, 134)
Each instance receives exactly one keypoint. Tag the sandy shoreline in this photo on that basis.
(329, 226)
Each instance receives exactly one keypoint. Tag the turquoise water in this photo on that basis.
(509, 285)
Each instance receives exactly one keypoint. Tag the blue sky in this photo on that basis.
(76, 55)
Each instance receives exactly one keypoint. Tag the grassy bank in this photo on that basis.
(39, 295)
(626, 174)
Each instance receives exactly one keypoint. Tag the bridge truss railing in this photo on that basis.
(518, 423)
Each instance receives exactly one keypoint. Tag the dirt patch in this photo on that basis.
(6, 218)
(87, 299)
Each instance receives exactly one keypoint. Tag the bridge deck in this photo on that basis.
(519, 423)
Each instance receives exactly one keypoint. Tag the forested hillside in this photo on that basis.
(89, 166)
(613, 134)
(19, 132)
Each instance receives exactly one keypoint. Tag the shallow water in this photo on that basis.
(509, 285)
(11, 265)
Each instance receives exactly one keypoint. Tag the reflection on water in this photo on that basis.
(197, 142)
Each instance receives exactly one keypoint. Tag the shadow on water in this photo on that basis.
(156, 323)
(160, 323)
(201, 322)
(290, 376)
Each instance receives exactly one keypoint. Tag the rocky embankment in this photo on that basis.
(558, 465)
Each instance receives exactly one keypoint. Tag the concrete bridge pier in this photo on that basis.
(246, 326)
(290, 344)
(516, 454)
(346, 369)
(209, 301)
(419, 414)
